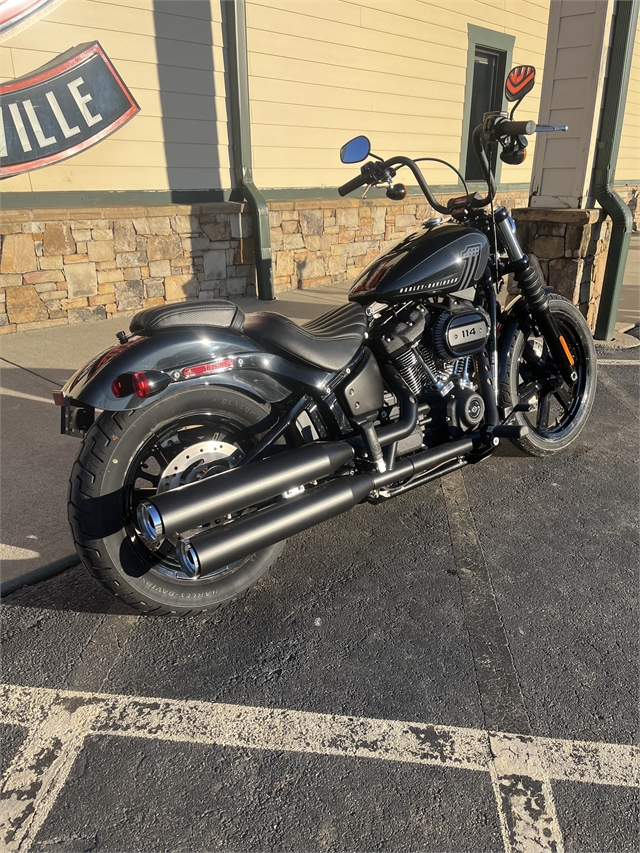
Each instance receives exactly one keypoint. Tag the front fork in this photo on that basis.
(535, 297)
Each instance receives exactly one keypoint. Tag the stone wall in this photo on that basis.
(73, 266)
(571, 247)
(317, 242)
(78, 265)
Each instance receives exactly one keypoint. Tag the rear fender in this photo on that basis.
(266, 377)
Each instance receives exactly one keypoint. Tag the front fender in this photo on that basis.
(264, 376)
(510, 321)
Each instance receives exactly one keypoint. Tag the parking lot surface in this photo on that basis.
(454, 670)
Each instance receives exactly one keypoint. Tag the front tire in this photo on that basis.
(132, 454)
(558, 411)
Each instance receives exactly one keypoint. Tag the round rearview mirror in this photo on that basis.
(519, 82)
(355, 150)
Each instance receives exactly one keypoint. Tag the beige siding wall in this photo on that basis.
(322, 71)
(170, 56)
(628, 168)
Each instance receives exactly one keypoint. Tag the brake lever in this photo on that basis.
(549, 128)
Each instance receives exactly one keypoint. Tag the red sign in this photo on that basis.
(14, 12)
(61, 109)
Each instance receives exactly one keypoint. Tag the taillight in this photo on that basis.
(121, 386)
(144, 383)
(141, 385)
(210, 367)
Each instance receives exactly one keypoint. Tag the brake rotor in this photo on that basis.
(195, 463)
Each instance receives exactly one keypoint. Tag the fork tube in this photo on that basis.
(492, 304)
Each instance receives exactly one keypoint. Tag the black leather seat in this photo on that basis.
(210, 312)
(329, 342)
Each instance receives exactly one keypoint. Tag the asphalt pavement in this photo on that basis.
(455, 669)
(36, 459)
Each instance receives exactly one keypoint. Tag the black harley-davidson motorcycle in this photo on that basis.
(220, 435)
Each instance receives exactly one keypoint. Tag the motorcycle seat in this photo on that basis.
(219, 313)
(328, 342)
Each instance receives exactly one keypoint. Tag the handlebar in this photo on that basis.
(374, 172)
(501, 127)
(352, 185)
(515, 128)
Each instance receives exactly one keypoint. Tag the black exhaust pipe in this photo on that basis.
(219, 547)
(212, 549)
(198, 503)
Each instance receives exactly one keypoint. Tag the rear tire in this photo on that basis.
(128, 453)
(560, 411)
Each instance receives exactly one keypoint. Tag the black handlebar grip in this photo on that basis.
(352, 185)
(516, 128)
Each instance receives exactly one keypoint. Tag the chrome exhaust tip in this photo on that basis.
(150, 524)
(188, 559)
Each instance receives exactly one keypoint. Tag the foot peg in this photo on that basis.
(506, 431)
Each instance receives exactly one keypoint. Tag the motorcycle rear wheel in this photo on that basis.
(132, 454)
(559, 412)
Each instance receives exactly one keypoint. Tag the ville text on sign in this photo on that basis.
(61, 109)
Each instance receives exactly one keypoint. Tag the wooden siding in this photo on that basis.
(628, 168)
(170, 56)
(321, 71)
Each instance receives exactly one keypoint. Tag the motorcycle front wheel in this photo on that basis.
(129, 455)
(554, 412)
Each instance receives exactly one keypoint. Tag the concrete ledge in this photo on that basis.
(37, 575)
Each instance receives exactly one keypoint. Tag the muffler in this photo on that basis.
(190, 506)
(212, 549)
(219, 547)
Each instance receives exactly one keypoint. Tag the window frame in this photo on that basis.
(482, 37)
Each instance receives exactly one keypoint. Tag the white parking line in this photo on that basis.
(521, 767)
(619, 362)
(620, 394)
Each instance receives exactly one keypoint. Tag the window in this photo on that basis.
(488, 64)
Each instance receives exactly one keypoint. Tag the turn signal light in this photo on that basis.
(141, 384)
(144, 383)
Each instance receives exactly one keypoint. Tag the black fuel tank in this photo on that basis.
(443, 259)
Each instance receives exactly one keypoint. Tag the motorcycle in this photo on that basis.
(221, 435)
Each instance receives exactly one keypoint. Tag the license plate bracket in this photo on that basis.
(75, 419)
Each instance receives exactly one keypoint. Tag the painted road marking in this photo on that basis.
(630, 404)
(521, 766)
(618, 362)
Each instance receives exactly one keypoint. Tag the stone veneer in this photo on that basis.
(63, 266)
(77, 265)
(571, 248)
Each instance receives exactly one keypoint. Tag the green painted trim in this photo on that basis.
(71, 199)
(497, 41)
(332, 192)
(628, 182)
(127, 198)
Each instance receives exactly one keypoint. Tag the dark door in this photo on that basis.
(486, 96)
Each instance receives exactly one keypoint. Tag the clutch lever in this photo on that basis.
(549, 128)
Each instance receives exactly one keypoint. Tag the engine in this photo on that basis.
(431, 346)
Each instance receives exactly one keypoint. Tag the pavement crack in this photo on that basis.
(32, 372)
(498, 683)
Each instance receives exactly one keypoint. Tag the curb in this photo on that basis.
(37, 575)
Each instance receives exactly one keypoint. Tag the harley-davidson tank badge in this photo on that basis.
(64, 107)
